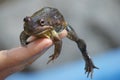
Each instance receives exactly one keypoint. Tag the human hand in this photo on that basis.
(17, 59)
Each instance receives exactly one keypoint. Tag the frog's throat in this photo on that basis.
(51, 34)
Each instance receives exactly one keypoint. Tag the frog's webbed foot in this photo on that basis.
(23, 38)
(89, 67)
(57, 50)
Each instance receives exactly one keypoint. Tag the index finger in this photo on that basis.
(18, 55)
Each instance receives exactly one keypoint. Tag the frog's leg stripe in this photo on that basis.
(89, 66)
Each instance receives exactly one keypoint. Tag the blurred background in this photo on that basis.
(95, 21)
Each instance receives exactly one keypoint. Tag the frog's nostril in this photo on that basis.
(27, 19)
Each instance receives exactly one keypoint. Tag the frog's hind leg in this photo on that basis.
(89, 66)
(57, 50)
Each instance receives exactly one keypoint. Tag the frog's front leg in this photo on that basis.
(58, 46)
(89, 66)
(23, 38)
(57, 50)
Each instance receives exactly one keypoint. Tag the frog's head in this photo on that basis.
(45, 17)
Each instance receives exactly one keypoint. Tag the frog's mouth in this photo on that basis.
(42, 30)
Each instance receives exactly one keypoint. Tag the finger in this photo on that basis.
(63, 34)
(20, 55)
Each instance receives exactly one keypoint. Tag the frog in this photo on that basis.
(48, 22)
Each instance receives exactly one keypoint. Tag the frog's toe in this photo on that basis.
(52, 57)
(89, 68)
(24, 44)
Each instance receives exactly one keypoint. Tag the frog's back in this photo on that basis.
(46, 11)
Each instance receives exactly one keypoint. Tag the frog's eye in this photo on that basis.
(41, 22)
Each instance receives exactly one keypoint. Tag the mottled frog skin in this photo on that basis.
(49, 22)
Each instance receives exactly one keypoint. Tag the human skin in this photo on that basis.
(16, 59)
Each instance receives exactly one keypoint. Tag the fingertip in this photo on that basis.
(63, 34)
